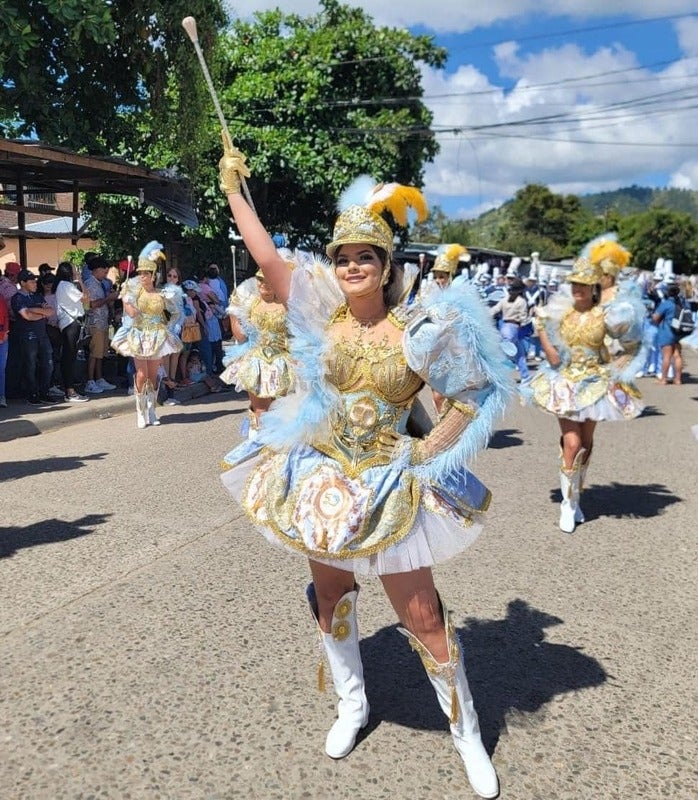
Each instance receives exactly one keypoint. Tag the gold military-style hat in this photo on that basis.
(584, 271)
(448, 256)
(149, 257)
(361, 205)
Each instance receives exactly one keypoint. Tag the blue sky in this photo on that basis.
(557, 92)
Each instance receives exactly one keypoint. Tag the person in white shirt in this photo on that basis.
(70, 310)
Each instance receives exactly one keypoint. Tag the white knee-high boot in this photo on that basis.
(343, 656)
(569, 487)
(453, 692)
(141, 407)
(152, 399)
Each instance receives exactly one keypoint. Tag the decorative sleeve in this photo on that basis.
(174, 303)
(240, 304)
(625, 324)
(453, 345)
(130, 291)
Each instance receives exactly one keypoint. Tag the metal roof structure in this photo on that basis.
(31, 168)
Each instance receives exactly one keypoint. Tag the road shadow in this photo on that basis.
(505, 438)
(199, 416)
(651, 411)
(47, 531)
(511, 670)
(620, 500)
(16, 470)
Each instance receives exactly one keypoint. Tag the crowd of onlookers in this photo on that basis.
(56, 324)
(55, 318)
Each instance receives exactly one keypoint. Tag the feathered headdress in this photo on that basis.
(361, 206)
(149, 256)
(447, 257)
(607, 253)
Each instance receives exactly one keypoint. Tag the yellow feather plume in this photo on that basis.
(398, 199)
(610, 251)
(454, 251)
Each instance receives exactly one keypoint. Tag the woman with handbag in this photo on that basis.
(146, 334)
(260, 363)
(71, 299)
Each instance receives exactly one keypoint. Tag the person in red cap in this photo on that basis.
(8, 281)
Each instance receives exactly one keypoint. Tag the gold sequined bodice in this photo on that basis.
(377, 367)
(584, 333)
(270, 322)
(377, 388)
(151, 303)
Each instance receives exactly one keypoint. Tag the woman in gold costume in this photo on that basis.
(260, 363)
(334, 475)
(592, 349)
(147, 333)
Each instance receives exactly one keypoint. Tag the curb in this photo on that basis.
(43, 420)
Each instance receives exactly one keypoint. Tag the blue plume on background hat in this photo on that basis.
(150, 255)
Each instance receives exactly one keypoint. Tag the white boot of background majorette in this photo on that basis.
(342, 650)
(152, 400)
(453, 693)
(569, 487)
(141, 408)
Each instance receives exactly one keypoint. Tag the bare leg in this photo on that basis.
(414, 598)
(572, 441)
(678, 364)
(330, 584)
(666, 360)
(587, 436)
(258, 405)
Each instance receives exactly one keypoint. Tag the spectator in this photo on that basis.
(99, 324)
(70, 310)
(8, 282)
(4, 346)
(30, 314)
(667, 341)
(47, 287)
(514, 312)
(216, 282)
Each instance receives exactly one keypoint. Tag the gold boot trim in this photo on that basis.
(446, 669)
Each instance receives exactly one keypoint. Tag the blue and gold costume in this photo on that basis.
(332, 474)
(261, 365)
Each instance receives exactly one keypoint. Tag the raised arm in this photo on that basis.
(254, 234)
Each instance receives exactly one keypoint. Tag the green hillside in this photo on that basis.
(634, 199)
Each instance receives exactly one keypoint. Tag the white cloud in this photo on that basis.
(608, 135)
(687, 32)
(458, 16)
(686, 176)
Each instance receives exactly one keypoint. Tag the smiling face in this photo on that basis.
(441, 278)
(146, 278)
(359, 270)
(582, 294)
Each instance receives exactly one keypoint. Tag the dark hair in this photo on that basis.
(64, 272)
(98, 262)
(673, 290)
(516, 289)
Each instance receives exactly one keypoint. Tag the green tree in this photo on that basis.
(314, 102)
(78, 72)
(659, 233)
(538, 211)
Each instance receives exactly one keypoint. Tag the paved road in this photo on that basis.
(153, 646)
